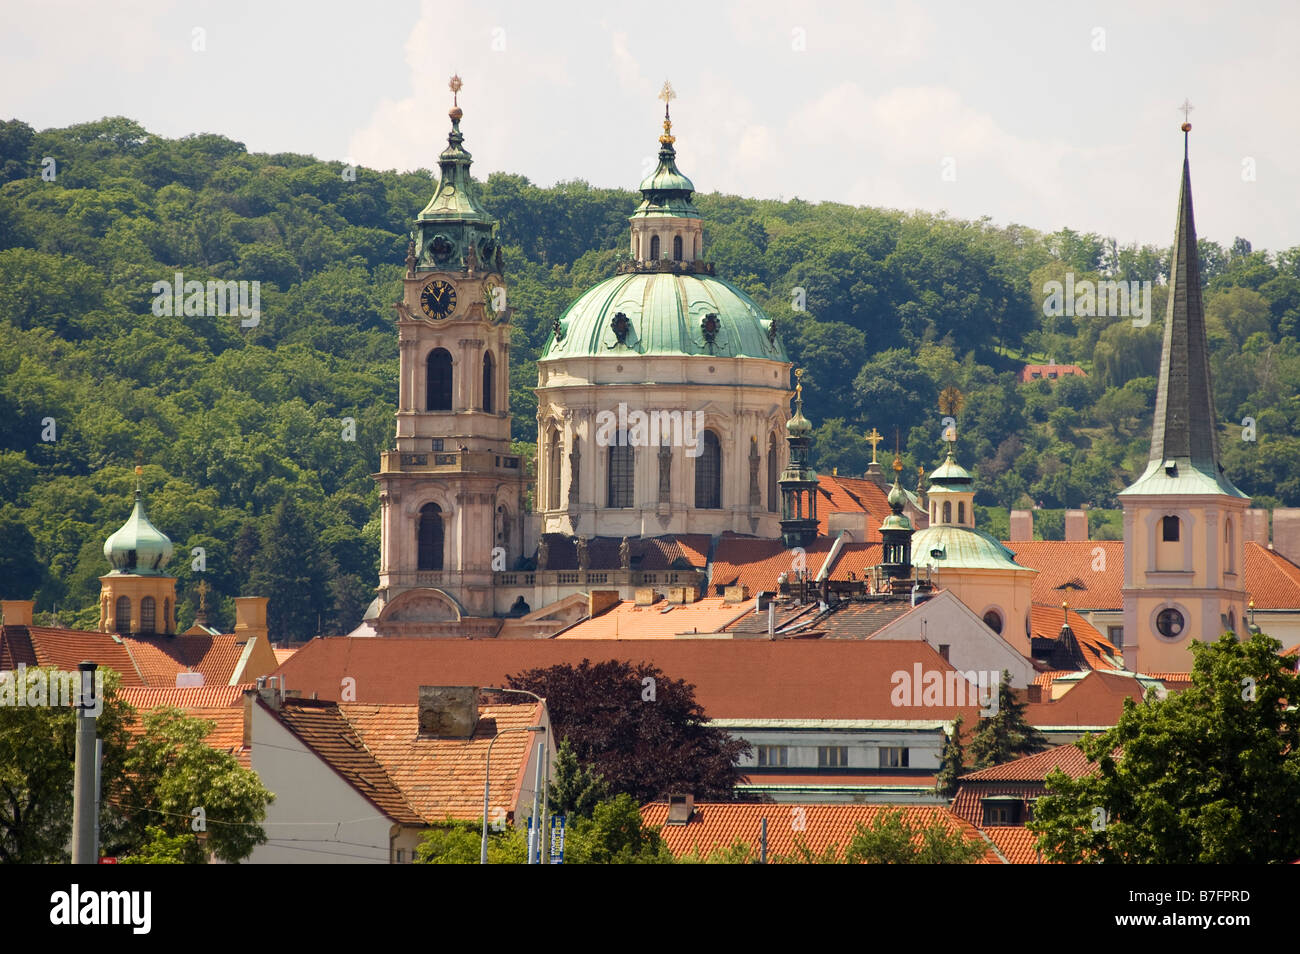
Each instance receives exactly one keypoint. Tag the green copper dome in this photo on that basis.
(665, 313)
(951, 472)
(138, 547)
(961, 548)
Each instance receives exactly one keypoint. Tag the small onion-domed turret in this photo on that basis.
(138, 547)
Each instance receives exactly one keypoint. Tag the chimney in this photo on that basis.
(681, 594)
(680, 809)
(17, 612)
(646, 596)
(1022, 525)
(448, 712)
(736, 594)
(1033, 692)
(270, 689)
(1256, 530)
(250, 616)
(1286, 532)
(1076, 525)
(600, 601)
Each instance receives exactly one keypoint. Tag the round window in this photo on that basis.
(1170, 623)
(993, 620)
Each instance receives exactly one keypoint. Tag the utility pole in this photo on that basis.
(84, 797)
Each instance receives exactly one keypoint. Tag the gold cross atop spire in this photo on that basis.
(454, 85)
(667, 95)
(1185, 109)
(874, 439)
(202, 590)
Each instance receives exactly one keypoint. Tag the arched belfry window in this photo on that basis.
(488, 380)
(167, 615)
(708, 473)
(773, 490)
(677, 248)
(438, 380)
(961, 512)
(148, 615)
(654, 248)
(1169, 529)
(429, 538)
(122, 614)
(621, 475)
(1228, 544)
(947, 511)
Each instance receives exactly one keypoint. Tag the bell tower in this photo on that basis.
(1184, 553)
(451, 492)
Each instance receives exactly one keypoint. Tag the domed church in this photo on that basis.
(663, 390)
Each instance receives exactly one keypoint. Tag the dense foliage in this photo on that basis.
(1210, 775)
(231, 421)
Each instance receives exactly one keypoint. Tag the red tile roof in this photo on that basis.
(740, 678)
(1045, 621)
(322, 727)
(661, 620)
(1016, 843)
(65, 648)
(717, 825)
(1036, 372)
(226, 735)
(161, 658)
(1062, 562)
(202, 697)
(1035, 768)
(1272, 580)
(758, 563)
(443, 778)
(1095, 700)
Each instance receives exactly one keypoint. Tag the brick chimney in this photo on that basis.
(1022, 525)
(448, 712)
(599, 601)
(1076, 525)
(250, 616)
(17, 612)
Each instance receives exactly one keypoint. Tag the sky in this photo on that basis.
(1046, 115)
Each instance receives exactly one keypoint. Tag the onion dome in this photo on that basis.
(951, 474)
(138, 547)
(798, 425)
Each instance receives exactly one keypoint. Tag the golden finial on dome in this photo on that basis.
(455, 85)
(667, 95)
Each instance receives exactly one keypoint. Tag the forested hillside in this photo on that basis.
(243, 433)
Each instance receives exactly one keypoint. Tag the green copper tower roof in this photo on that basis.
(1184, 457)
(666, 192)
(138, 547)
(454, 230)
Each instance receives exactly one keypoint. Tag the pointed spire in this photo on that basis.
(1185, 420)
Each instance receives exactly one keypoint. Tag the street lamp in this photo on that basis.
(487, 777)
(546, 786)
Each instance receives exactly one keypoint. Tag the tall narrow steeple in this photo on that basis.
(666, 225)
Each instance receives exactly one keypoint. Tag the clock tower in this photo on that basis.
(451, 492)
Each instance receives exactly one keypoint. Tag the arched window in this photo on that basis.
(621, 478)
(1228, 542)
(773, 487)
(697, 247)
(677, 248)
(429, 538)
(993, 620)
(122, 615)
(961, 512)
(654, 248)
(934, 513)
(1169, 529)
(148, 615)
(708, 473)
(553, 463)
(438, 382)
(503, 528)
(167, 615)
(947, 511)
(487, 382)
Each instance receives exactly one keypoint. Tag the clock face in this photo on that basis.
(438, 300)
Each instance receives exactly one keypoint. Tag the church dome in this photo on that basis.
(138, 547)
(665, 313)
(959, 547)
(950, 472)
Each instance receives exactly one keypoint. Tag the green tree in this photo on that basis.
(461, 843)
(892, 839)
(1210, 775)
(615, 835)
(1005, 735)
(952, 762)
(576, 789)
(293, 570)
(161, 848)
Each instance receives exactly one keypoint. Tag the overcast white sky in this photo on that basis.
(1054, 114)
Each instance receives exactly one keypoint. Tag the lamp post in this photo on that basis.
(546, 786)
(487, 777)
